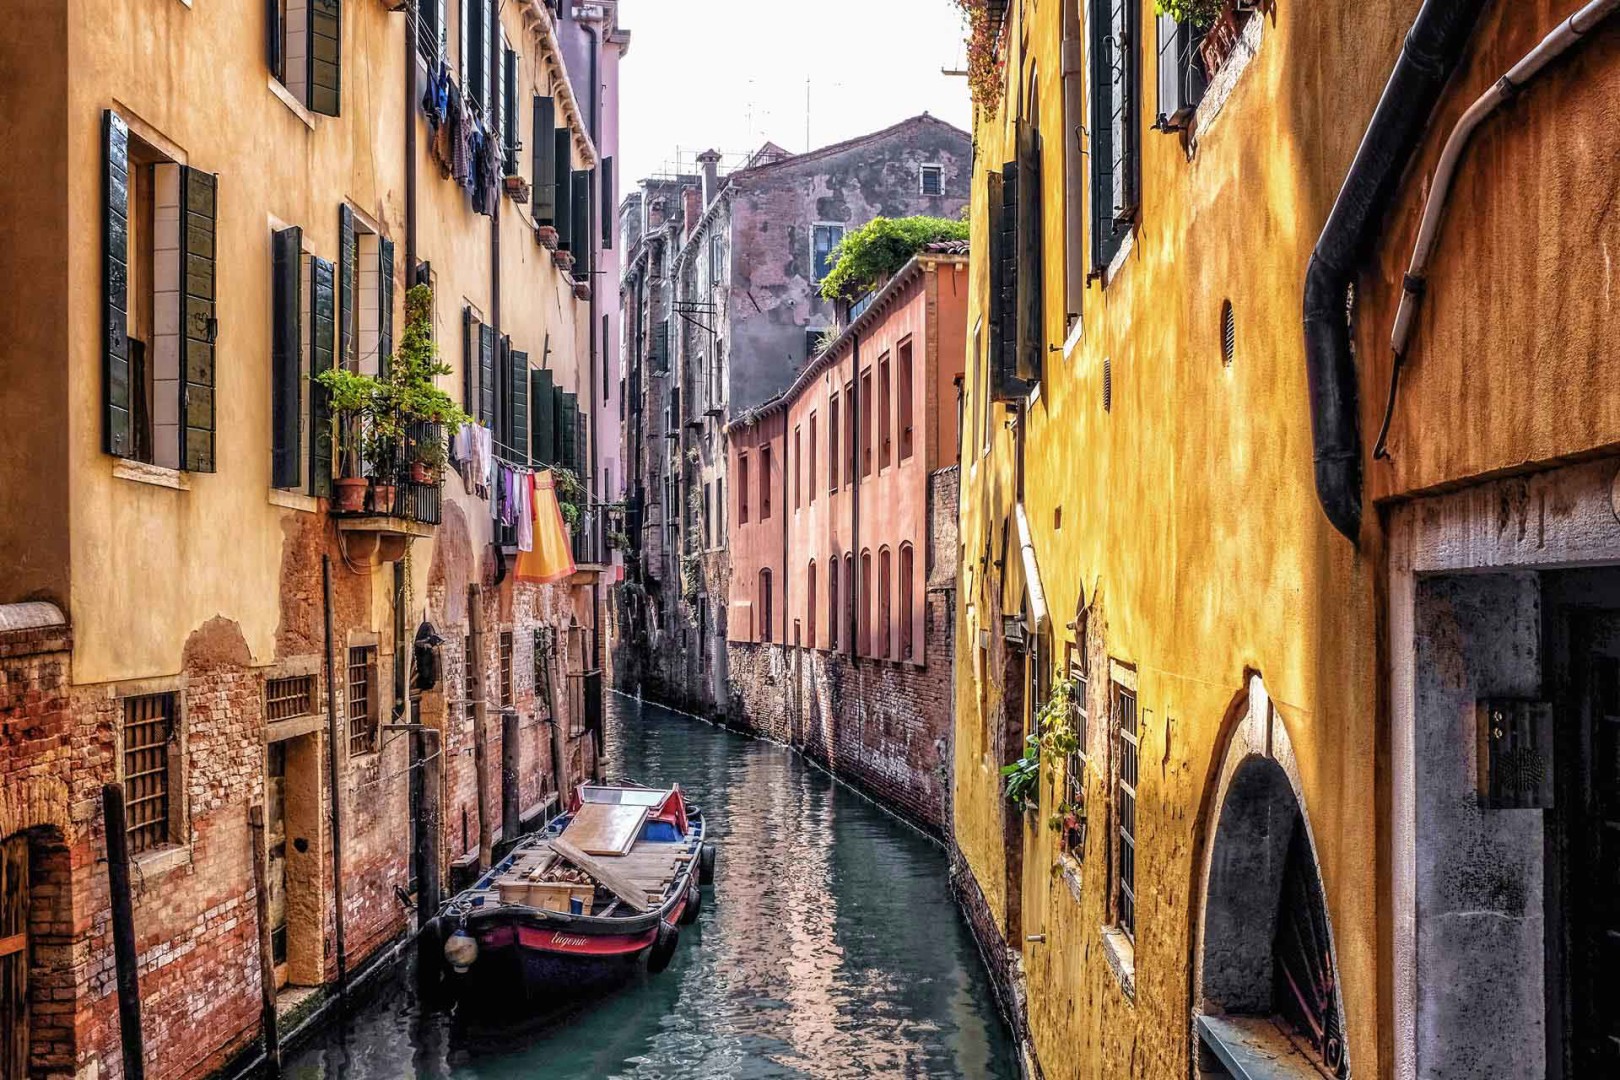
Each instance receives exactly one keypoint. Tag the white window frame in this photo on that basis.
(815, 227)
(922, 171)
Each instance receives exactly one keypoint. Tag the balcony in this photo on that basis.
(380, 531)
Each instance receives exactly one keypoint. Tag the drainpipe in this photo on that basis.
(598, 554)
(1432, 50)
(854, 451)
(412, 30)
(1561, 39)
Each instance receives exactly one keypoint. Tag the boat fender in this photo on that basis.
(706, 857)
(663, 947)
(460, 950)
(694, 904)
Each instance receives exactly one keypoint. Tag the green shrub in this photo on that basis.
(880, 248)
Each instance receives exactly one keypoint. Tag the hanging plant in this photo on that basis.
(1198, 13)
(984, 63)
(1056, 741)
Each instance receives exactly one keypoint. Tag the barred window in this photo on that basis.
(1125, 865)
(148, 759)
(543, 650)
(362, 699)
(469, 677)
(506, 670)
(290, 697)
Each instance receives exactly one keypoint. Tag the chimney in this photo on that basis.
(710, 160)
(692, 207)
(655, 213)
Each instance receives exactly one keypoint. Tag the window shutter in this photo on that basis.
(570, 432)
(1098, 92)
(273, 42)
(469, 362)
(543, 162)
(466, 35)
(486, 57)
(198, 194)
(520, 405)
(497, 93)
(287, 309)
(503, 396)
(385, 303)
(1181, 81)
(1031, 322)
(542, 413)
(1123, 96)
(509, 112)
(563, 165)
(117, 436)
(441, 30)
(486, 375)
(322, 327)
(582, 224)
(608, 204)
(345, 301)
(325, 56)
(558, 422)
(1004, 382)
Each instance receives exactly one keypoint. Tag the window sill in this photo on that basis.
(156, 475)
(1248, 44)
(1253, 1048)
(292, 500)
(285, 96)
(1121, 956)
(1072, 342)
(160, 861)
(1117, 263)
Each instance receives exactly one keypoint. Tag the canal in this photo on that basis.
(828, 947)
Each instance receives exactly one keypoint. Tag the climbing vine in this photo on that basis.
(1054, 743)
(984, 58)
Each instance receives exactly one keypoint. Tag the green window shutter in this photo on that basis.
(385, 303)
(325, 56)
(1123, 47)
(542, 412)
(520, 405)
(273, 42)
(198, 202)
(570, 432)
(322, 326)
(1031, 281)
(486, 56)
(608, 204)
(564, 174)
(502, 433)
(469, 362)
(1004, 382)
(582, 224)
(543, 162)
(346, 313)
(486, 375)
(509, 112)
(287, 315)
(465, 37)
(117, 434)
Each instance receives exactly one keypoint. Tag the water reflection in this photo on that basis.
(828, 948)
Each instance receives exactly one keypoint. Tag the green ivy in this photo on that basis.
(1195, 12)
(880, 248)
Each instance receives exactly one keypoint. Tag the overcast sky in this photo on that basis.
(731, 73)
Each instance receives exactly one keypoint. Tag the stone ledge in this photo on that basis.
(1121, 957)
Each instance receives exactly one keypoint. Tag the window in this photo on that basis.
(885, 414)
(304, 344)
(431, 29)
(708, 532)
(150, 759)
(908, 641)
(1181, 76)
(868, 433)
(742, 489)
(717, 259)
(811, 460)
(863, 631)
(981, 404)
(765, 614)
(848, 612)
(510, 143)
(832, 602)
(288, 698)
(811, 600)
(469, 678)
(824, 240)
(1114, 153)
(764, 482)
(158, 346)
(1074, 778)
(885, 602)
(506, 669)
(475, 52)
(932, 179)
(849, 433)
(543, 162)
(306, 51)
(720, 502)
(798, 467)
(904, 392)
(362, 699)
(1074, 173)
(1125, 745)
(832, 443)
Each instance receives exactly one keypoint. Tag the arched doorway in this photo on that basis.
(36, 1020)
(1266, 977)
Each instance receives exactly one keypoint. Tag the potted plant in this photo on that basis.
(419, 413)
(1216, 18)
(546, 236)
(353, 399)
(517, 188)
(563, 259)
(428, 458)
(381, 448)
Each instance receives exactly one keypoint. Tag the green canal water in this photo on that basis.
(828, 947)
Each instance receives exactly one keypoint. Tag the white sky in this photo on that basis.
(731, 73)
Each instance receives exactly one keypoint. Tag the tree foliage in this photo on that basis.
(880, 248)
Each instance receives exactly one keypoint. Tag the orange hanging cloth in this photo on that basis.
(552, 558)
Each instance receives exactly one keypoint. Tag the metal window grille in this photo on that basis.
(506, 670)
(362, 718)
(469, 677)
(544, 648)
(148, 733)
(1125, 732)
(1074, 780)
(290, 697)
(933, 182)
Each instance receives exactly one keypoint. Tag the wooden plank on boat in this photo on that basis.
(625, 889)
(605, 828)
(608, 796)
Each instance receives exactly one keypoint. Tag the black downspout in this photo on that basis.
(412, 32)
(854, 450)
(1431, 53)
(598, 554)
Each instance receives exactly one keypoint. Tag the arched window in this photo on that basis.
(832, 602)
(908, 639)
(885, 601)
(810, 602)
(848, 615)
(863, 634)
(765, 605)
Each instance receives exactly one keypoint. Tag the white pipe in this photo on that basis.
(1566, 34)
(1032, 571)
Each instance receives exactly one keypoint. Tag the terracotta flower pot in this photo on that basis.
(563, 259)
(547, 236)
(1219, 40)
(382, 498)
(349, 494)
(582, 290)
(420, 473)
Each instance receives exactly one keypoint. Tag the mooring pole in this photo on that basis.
(475, 627)
(332, 781)
(123, 928)
(511, 811)
(267, 961)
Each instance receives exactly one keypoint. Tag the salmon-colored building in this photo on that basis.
(843, 538)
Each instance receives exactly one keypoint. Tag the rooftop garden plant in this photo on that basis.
(878, 249)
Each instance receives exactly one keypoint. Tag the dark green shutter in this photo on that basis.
(582, 224)
(385, 303)
(543, 162)
(542, 411)
(570, 432)
(469, 362)
(325, 56)
(520, 405)
(198, 203)
(347, 261)
(1031, 280)
(486, 57)
(502, 434)
(287, 317)
(563, 169)
(117, 437)
(486, 375)
(1004, 382)
(559, 422)
(465, 38)
(1123, 98)
(509, 112)
(322, 347)
(608, 203)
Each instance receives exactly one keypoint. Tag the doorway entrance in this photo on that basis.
(14, 1018)
(294, 842)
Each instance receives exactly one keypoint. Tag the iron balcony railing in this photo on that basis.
(419, 501)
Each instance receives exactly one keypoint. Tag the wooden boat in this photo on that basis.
(598, 895)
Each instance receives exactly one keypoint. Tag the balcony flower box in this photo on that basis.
(517, 188)
(582, 290)
(563, 259)
(546, 237)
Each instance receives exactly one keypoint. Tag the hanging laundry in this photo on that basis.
(461, 142)
(551, 558)
(525, 512)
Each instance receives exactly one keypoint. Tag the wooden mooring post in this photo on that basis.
(267, 960)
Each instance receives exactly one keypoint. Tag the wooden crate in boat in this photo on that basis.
(555, 895)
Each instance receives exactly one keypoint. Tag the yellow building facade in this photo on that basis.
(1246, 842)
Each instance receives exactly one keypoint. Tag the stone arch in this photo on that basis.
(1259, 890)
